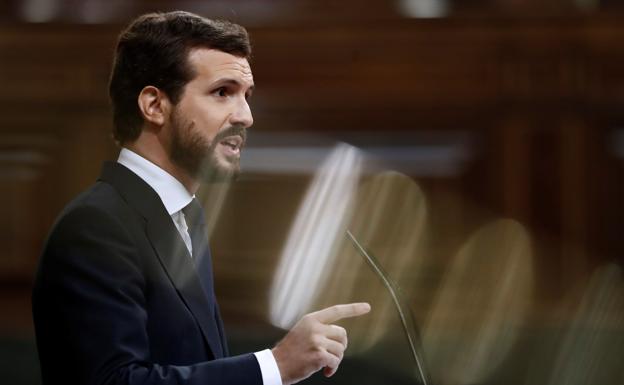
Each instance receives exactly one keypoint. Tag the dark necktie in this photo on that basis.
(194, 215)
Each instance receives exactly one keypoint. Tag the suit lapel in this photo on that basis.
(181, 270)
(169, 247)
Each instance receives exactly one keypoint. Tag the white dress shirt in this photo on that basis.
(175, 197)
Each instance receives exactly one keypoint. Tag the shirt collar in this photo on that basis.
(171, 192)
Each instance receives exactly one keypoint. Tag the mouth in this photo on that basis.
(233, 144)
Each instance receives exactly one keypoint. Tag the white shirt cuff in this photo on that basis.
(268, 367)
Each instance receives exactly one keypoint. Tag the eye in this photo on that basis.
(221, 91)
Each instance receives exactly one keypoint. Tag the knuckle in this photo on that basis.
(315, 340)
(318, 358)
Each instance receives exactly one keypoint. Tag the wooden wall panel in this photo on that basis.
(538, 96)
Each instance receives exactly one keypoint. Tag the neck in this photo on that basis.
(150, 148)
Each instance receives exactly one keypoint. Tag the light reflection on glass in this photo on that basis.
(310, 249)
(593, 346)
(389, 218)
(212, 197)
(481, 304)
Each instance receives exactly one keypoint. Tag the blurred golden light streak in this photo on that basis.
(389, 219)
(592, 351)
(310, 249)
(212, 197)
(481, 304)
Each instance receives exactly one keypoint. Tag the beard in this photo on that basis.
(197, 155)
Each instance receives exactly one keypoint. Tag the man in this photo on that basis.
(124, 291)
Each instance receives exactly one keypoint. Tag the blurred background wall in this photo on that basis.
(501, 119)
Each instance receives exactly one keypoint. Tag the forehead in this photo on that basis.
(212, 64)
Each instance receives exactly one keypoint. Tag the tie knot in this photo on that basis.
(194, 213)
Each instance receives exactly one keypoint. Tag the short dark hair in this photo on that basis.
(153, 50)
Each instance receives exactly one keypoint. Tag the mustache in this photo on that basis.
(231, 131)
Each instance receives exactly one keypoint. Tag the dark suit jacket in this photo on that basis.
(118, 300)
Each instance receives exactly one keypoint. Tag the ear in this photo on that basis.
(154, 105)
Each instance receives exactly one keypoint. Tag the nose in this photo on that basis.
(242, 114)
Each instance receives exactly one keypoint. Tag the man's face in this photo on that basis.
(208, 125)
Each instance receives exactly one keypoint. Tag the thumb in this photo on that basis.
(328, 372)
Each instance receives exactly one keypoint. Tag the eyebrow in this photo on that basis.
(233, 82)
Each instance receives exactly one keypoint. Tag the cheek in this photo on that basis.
(210, 119)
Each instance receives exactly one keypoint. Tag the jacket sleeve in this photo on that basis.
(90, 315)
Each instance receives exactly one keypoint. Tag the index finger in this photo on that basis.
(337, 312)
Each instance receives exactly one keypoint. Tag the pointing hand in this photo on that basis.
(314, 343)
